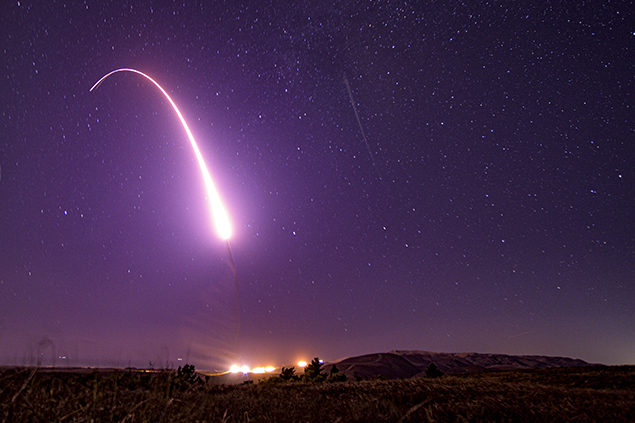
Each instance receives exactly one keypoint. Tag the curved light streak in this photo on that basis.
(219, 215)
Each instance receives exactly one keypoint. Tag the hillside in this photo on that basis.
(407, 364)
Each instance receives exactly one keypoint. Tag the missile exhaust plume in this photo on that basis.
(219, 215)
(239, 314)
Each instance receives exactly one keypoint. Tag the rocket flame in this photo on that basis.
(219, 215)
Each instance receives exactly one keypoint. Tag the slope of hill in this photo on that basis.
(406, 364)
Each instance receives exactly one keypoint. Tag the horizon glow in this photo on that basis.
(219, 214)
(256, 370)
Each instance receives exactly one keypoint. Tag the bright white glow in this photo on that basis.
(301, 363)
(239, 369)
(255, 370)
(219, 215)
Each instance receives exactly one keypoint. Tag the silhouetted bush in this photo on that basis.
(186, 377)
(288, 374)
(433, 371)
(313, 372)
(335, 375)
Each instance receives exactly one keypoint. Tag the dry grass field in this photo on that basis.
(584, 394)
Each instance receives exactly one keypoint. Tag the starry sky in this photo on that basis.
(443, 176)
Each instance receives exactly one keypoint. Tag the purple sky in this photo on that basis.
(496, 213)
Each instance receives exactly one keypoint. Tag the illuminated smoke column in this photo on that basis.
(219, 215)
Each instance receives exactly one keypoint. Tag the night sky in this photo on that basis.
(482, 200)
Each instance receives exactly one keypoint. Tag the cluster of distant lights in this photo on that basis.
(246, 369)
(258, 370)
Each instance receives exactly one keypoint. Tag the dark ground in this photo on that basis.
(594, 393)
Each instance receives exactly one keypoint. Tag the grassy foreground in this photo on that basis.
(558, 395)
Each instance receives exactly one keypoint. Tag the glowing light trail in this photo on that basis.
(219, 215)
(359, 122)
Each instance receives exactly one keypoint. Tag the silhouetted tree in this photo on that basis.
(335, 375)
(288, 373)
(433, 371)
(187, 372)
(313, 372)
(186, 376)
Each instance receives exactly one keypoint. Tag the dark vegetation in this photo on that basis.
(583, 394)
(313, 373)
(433, 371)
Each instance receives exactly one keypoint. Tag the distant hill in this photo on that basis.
(407, 364)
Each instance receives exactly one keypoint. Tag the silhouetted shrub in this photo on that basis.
(433, 371)
(288, 374)
(313, 372)
(336, 376)
(186, 377)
